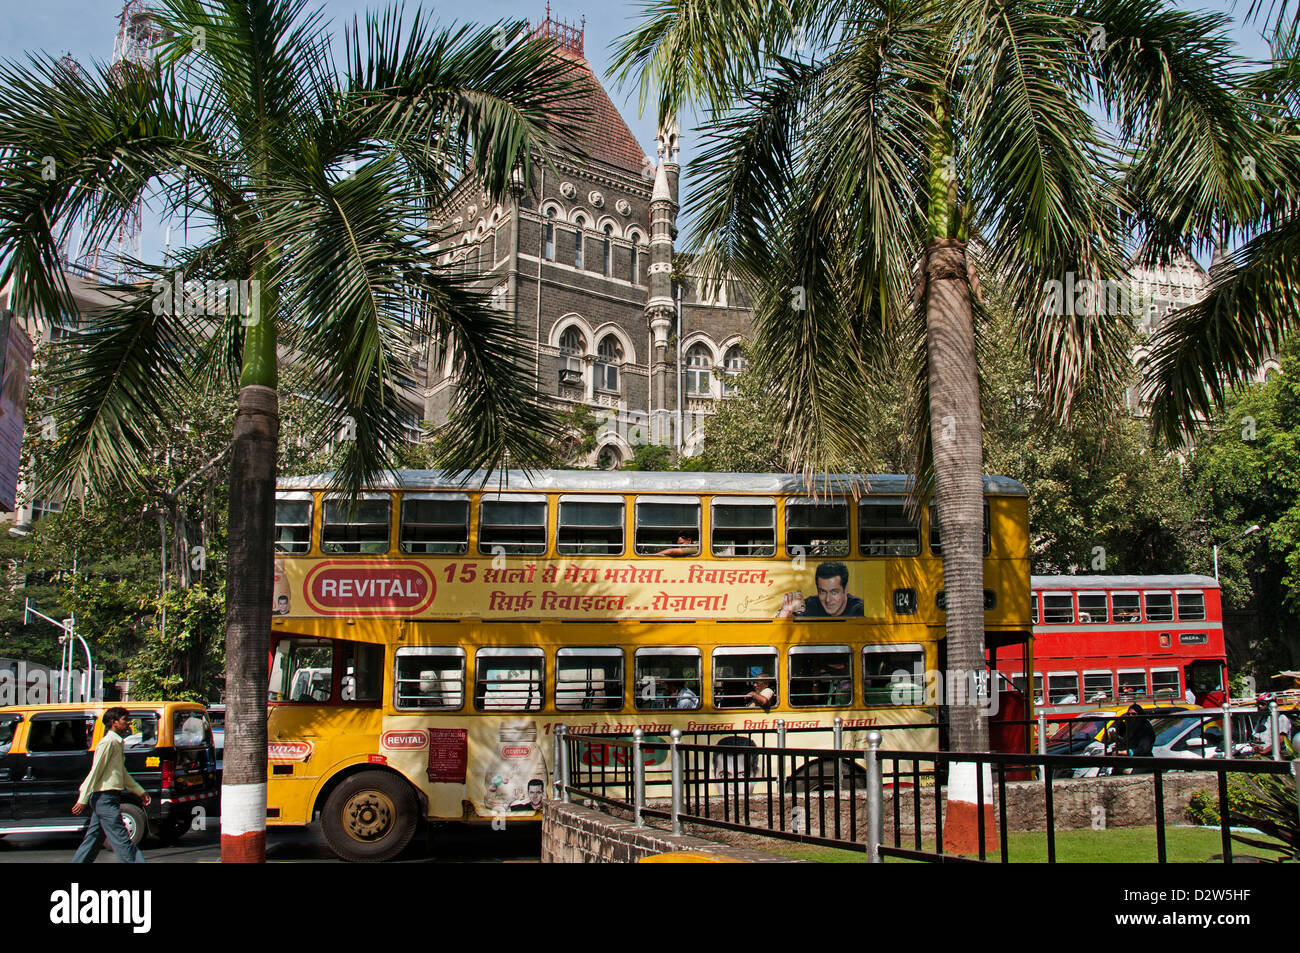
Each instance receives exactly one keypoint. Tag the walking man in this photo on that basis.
(102, 790)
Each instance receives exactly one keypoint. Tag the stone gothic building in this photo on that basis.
(581, 263)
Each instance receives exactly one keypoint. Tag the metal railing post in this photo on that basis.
(1042, 741)
(874, 797)
(677, 781)
(837, 733)
(555, 761)
(563, 770)
(638, 779)
(1227, 731)
(1274, 732)
(1295, 776)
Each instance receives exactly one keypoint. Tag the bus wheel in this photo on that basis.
(370, 816)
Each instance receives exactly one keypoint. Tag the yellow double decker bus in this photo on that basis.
(428, 639)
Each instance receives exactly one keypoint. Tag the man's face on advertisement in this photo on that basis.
(535, 795)
(832, 594)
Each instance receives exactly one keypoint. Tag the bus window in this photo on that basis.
(293, 523)
(735, 669)
(936, 547)
(1062, 688)
(589, 679)
(1132, 682)
(508, 679)
(743, 526)
(363, 672)
(1098, 686)
(1092, 607)
(1164, 683)
(668, 678)
(1038, 689)
(360, 527)
(1033, 608)
(662, 521)
(8, 728)
(820, 675)
(884, 528)
(1191, 606)
(302, 670)
(590, 526)
(512, 524)
(893, 675)
(816, 529)
(429, 678)
(436, 524)
(1125, 607)
(1058, 608)
(1160, 606)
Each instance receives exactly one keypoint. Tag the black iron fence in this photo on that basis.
(882, 802)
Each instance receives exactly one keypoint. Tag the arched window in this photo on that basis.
(699, 371)
(572, 348)
(608, 258)
(635, 270)
(548, 245)
(577, 241)
(608, 358)
(733, 362)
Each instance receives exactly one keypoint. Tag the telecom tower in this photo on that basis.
(135, 46)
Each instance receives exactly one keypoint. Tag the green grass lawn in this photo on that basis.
(1116, 845)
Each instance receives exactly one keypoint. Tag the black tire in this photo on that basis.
(137, 823)
(371, 816)
(172, 830)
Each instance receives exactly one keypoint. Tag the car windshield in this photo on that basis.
(1078, 729)
(1167, 729)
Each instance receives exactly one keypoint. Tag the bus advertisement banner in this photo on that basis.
(544, 589)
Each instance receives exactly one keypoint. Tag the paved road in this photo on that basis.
(453, 843)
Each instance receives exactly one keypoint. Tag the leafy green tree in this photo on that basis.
(867, 161)
(318, 185)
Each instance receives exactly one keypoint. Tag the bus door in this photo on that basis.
(1207, 678)
(1009, 725)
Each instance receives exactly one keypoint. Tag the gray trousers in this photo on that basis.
(105, 820)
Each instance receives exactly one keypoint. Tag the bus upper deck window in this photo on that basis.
(1062, 688)
(1092, 607)
(816, 528)
(590, 526)
(1164, 683)
(293, 523)
(662, 523)
(356, 527)
(1160, 606)
(1125, 607)
(893, 675)
(508, 679)
(737, 671)
(429, 678)
(1058, 608)
(1191, 606)
(820, 675)
(936, 547)
(668, 678)
(512, 524)
(589, 679)
(885, 529)
(435, 523)
(1033, 608)
(743, 526)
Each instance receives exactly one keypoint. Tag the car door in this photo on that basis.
(9, 759)
(57, 761)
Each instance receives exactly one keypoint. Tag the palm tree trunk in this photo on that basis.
(958, 449)
(249, 584)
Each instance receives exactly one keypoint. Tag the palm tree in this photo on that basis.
(315, 187)
(867, 160)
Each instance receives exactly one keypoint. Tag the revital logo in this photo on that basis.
(288, 751)
(75, 906)
(340, 587)
(409, 740)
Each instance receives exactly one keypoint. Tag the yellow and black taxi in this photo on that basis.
(46, 752)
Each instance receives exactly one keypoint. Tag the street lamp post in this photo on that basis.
(1253, 529)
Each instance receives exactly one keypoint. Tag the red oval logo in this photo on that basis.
(288, 751)
(515, 751)
(404, 740)
(339, 587)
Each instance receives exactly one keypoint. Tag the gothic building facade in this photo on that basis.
(580, 261)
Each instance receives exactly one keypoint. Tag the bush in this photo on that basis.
(1203, 806)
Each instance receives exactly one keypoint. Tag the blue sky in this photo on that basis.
(86, 29)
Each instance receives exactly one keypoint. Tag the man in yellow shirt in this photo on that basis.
(102, 791)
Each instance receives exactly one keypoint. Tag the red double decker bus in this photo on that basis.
(1104, 640)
